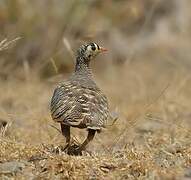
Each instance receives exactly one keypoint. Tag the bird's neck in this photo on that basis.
(82, 67)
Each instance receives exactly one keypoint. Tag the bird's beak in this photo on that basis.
(102, 49)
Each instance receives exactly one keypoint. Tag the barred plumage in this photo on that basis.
(78, 102)
(73, 105)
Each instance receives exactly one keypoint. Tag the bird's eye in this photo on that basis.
(93, 48)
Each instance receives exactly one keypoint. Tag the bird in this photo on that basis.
(78, 102)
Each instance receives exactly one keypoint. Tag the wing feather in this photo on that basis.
(79, 106)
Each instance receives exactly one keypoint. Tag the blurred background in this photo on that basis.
(145, 74)
(130, 29)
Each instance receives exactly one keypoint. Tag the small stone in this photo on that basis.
(11, 167)
(187, 174)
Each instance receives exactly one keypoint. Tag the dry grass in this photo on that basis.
(150, 140)
(146, 76)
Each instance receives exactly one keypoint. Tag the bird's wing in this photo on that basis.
(64, 105)
(98, 110)
(77, 106)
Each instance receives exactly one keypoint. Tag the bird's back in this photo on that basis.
(78, 102)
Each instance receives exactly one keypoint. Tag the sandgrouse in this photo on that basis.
(78, 102)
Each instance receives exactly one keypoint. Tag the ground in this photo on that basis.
(150, 139)
(145, 74)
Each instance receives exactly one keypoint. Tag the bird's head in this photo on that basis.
(90, 51)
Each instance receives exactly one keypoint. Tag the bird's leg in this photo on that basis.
(91, 134)
(66, 133)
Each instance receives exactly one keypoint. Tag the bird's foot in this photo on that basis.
(61, 148)
(74, 150)
(65, 148)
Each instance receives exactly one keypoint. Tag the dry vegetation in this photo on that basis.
(146, 75)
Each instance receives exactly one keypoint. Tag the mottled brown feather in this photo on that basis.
(78, 102)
